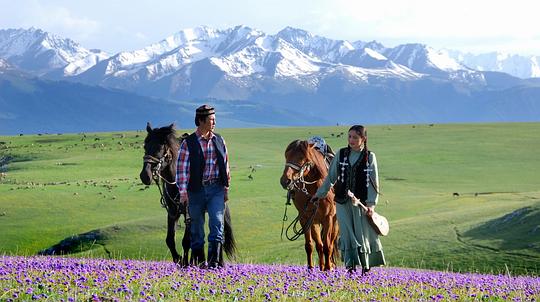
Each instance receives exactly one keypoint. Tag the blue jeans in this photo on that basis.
(209, 198)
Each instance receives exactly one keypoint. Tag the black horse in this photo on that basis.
(160, 156)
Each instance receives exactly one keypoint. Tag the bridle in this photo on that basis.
(298, 182)
(160, 164)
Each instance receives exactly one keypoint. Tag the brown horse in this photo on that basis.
(304, 172)
(160, 157)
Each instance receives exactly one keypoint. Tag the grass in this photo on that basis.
(62, 185)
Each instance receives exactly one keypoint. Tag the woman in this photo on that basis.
(354, 168)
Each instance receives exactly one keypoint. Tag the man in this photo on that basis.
(203, 177)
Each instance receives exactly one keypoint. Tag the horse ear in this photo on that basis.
(172, 126)
(148, 127)
(304, 146)
(309, 145)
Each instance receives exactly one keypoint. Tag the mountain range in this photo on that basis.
(255, 79)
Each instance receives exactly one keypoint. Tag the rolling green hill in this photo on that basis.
(58, 186)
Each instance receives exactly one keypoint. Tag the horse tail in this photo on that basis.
(230, 242)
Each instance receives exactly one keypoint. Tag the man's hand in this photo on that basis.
(184, 200)
(226, 196)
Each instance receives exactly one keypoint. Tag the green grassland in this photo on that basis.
(60, 185)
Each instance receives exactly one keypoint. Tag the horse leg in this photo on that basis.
(186, 241)
(334, 235)
(309, 248)
(315, 233)
(327, 234)
(171, 224)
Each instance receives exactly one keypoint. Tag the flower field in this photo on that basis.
(75, 279)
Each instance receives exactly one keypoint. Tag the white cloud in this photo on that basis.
(458, 24)
(61, 20)
(447, 22)
(56, 19)
(141, 36)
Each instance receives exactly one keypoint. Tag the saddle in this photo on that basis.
(321, 146)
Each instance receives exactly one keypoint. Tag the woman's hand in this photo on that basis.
(370, 211)
(351, 195)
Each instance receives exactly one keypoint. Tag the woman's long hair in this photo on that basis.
(362, 131)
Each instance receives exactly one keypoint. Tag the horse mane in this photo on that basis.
(318, 158)
(164, 134)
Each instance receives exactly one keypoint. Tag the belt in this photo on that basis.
(207, 182)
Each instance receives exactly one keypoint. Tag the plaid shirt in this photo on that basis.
(211, 169)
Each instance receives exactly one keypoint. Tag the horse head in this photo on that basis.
(302, 164)
(160, 153)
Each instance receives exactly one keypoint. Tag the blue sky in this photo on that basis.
(469, 25)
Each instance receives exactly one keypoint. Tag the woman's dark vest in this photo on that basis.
(344, 182)
(197, 162)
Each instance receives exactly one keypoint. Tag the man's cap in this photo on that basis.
(205, 110)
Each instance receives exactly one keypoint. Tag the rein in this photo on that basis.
(298, 183)
(298, 230)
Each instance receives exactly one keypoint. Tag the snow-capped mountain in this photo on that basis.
(374, 45)
(3, 64)
(321, 48)
(290, 78)
(516, 65)
(241, 59)
(438, 63)
(239, 51)
(8, 69)
(360, 54)
(81, 65)
(167, 55)
(242, 51)
(423, 59)
(41, 52)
